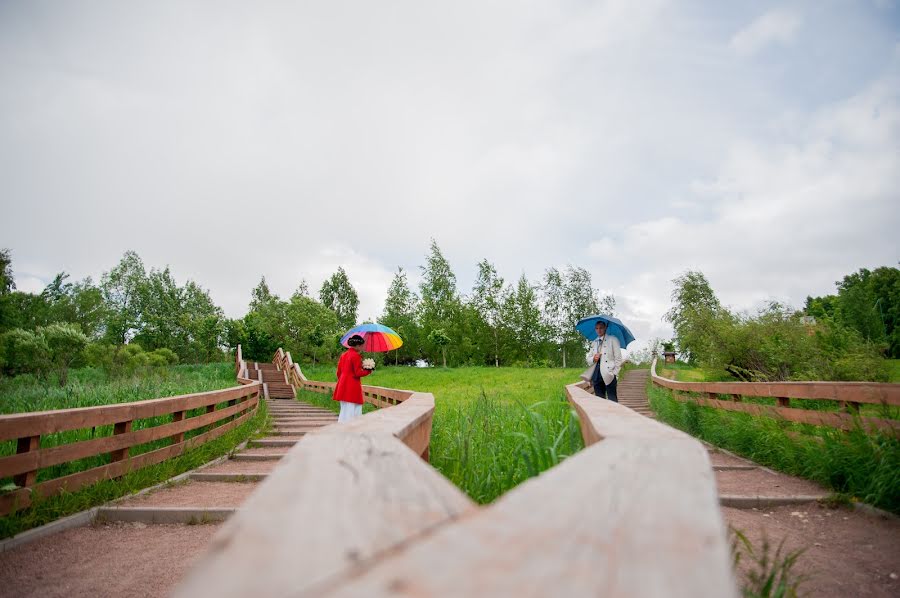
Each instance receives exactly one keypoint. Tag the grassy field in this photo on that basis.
(493, 427)
(894, 370)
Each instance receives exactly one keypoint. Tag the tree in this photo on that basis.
(261, 295)
(338, 295)
(696, 315)
(309, 325)
(552, 293)
(487, 299)
(7, 286)
(438, 337)
(439, 299)
(399, 313)
(65, 345)
(580, 299)
(523, 316)
(120, 288)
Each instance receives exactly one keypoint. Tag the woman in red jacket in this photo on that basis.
(349, 388)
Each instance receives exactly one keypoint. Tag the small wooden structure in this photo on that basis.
(849, 395)
(353, 511)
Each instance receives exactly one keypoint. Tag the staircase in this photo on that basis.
(276, 386)
(632, 391)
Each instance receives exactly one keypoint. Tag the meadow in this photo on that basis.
(493, 428)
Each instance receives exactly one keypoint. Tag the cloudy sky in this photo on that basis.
(756, 141)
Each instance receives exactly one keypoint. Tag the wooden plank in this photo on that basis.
(27, 447)
(595, 525)
(48, 457)
(121, 429)
(833, 419)
(858, 392)
(39, 423)
(351, 495)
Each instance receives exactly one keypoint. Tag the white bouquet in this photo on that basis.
(368, 364)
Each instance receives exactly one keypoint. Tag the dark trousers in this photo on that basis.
(604, 390)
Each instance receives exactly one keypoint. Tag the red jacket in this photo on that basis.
(349, 371)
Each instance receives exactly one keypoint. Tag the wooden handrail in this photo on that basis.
(27, 429)
(849, 394)
(634, 514)
(354, 491)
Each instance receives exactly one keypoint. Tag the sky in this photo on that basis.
(757, 142)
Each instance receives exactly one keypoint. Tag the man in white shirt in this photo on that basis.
(607, 354)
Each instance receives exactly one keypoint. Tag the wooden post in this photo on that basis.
(850, 407)
(712, 396)
(120, 454)
(783, 401)
(737, 398)
(177, 417)
(27, 445)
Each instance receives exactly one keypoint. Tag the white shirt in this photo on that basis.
(611, 359)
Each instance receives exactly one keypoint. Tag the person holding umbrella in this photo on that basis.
(350, 371)
(352, 367)
(607, 335)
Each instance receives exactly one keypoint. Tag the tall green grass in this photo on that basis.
(864, 466)
(45, 510)
(493, 428)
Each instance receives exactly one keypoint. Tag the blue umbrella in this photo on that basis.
(614, 326)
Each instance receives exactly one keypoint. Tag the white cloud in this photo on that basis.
(777, 26)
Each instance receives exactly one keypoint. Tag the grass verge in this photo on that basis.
(45, 510)
(864, 466)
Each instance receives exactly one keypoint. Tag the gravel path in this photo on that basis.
(113, 559)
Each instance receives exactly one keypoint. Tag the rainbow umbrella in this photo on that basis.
(378, 338)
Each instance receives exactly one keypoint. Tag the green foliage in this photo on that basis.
(338, 295)
(866, 466)
(121, 289)
(439, 338)
(23, 352)
(400, 314)
(769, 575)
(65, 346)
(868, 303)
(697, 316)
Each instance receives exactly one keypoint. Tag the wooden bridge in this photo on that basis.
(355, 509)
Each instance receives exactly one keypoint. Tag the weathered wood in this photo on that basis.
(38, 423)
(352, 492)
(177, 417)
(833, 419)
(858, 392)
(634, 514)
(782, 401)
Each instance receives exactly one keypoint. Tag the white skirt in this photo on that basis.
(349, 411)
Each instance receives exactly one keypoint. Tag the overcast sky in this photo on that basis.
(756, 141)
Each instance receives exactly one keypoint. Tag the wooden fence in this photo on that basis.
(849, 395)
(350, 511)
(130, 429)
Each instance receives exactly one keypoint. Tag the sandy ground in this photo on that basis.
(242, 467)
(195, 494)
(759, 482)
(114, 559)
(848, 553)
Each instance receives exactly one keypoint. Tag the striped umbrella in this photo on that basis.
(378, 338)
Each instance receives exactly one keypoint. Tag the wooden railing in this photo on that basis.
(130, 429)
(291, 370)
(634, 514)
(849, 395)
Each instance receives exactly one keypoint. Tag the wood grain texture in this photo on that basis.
(340, 497)
(634, 514)
(857, 392)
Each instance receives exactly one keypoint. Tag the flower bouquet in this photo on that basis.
(368, 364)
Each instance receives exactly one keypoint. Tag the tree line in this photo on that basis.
(845, 336)
(497, 323)
(135, 317)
